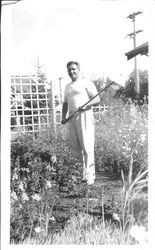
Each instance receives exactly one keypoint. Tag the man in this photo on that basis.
(80, 126)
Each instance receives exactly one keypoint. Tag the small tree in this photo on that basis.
(100, 84)
(37, 92)
(129, 90)
(107, 97)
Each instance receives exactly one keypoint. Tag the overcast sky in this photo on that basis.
(92, 32)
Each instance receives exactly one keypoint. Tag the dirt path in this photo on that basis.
(110, 188)
(104, 191)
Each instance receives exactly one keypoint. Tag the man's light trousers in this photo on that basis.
(81, 138)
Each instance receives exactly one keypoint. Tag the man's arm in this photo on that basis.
(94, 102)
(64, 112)
(92, 91)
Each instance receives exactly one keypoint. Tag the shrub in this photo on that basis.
(45, 168)
(120, 132)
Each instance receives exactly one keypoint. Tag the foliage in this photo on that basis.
(132, 192)
(120, 131)
(37, 161)
(47, 194)
(129, 90)
(83, 229)
(43, 168)
(143, 81)
(107, 97)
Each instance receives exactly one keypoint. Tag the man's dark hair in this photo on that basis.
(73, 62)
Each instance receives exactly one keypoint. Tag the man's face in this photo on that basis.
(73, 72)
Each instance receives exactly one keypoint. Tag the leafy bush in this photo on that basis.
(37, 161)
(43, 167)
(120, 132)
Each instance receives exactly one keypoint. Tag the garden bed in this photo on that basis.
(47, 194)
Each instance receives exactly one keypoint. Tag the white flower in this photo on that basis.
(133, 111)
(20, 206)
(38, 229)
(15, 176)
(73, 178)
(21, 187)
(49, 167)
(14, 196)
(93, 199)
(142, 137)
(36, 197)
(136, 152)
(25, 197)
(139, 233)
(52, 218)
(48, 184)
(53, 158)
(125, 147)
(27, 170)
(115, 203)
(116, 217)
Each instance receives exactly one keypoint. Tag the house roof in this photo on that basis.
(142, 50)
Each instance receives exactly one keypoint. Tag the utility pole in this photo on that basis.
(133, 35)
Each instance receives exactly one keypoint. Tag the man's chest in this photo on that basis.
(76, 90)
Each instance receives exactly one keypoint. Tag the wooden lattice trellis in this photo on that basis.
(57, 99)
(30, 111)
(35, 105)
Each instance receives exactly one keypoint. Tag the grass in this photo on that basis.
(82, 229)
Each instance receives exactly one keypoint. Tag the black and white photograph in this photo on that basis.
(77, 137)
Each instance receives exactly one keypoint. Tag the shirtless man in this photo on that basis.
(81, 126)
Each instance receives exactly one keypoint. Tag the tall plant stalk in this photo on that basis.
(103, 222)
(130, 190)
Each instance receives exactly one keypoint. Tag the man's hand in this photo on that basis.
(64, 112)
(82, 109)
(63, 121)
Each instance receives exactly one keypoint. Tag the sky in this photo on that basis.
(92, 32)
